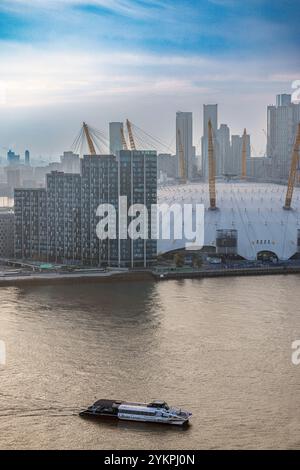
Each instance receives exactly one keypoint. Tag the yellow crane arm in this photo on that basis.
(89, 139)
(130, 133)
(293, 171)
(211, 168)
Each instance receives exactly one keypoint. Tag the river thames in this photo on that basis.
(220, 348)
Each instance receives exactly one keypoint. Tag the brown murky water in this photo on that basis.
(219, 347)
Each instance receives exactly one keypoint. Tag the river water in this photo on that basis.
(220, 348)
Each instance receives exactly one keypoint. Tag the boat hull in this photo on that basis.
(156, 420)
(179, 422)
(156, 412)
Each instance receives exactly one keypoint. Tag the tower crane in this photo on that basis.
(211, 168)
(182, 170)
(130, 133)
(293, 171)
(244, 155)
(89, 139)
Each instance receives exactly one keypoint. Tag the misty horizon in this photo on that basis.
(107, 60)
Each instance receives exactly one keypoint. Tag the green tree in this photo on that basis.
(179, 260)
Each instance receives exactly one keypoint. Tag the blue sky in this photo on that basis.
(194, 26)
(64, 61)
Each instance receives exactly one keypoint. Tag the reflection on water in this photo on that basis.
(137, 426)
(220, 348)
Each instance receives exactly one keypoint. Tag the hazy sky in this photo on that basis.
(65, 61)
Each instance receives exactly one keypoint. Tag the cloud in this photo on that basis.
(157, 25)
(37, 77)
(142, 59)
(132, 8)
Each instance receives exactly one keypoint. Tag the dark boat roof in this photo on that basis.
(114, 403)
(108, 403)
(157, 403)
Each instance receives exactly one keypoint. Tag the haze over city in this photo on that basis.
(66, 61)
(149, 227)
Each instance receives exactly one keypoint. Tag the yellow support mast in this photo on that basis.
(182, 169)
(130, 133)
(211, 169)
(293, 171)
(244, 155)
(124, 143)
(89, 139)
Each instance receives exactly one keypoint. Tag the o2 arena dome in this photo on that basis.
(249, 220)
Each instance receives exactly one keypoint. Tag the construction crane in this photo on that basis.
(293, 171)
(244, 155)
(211, 169)
(124, 143)
(89, 139)
(182, 170)
(130, 133)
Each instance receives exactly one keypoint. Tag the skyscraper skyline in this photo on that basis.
(282, 121)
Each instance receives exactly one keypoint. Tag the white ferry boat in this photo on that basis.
(154, 412)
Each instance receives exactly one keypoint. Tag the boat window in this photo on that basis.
(136, 412)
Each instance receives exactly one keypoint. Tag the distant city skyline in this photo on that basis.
(63, 62)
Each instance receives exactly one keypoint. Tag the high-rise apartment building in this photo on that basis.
(7, 230)
(63, 216)
(70, 162)
(223, 163)
(184, 139)
(115, 137)
(31, 224)
(236, 153)
(283, 119)
(12, 158)
(138, 182)
(27, 157)
(227, 151)
(166, 164)
(13, 177)
(59, 223)
(99, 185)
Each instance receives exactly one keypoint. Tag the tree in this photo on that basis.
(196, 260)
(179, 260)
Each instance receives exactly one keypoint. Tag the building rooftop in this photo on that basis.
(255, 210)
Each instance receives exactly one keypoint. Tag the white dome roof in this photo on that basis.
(255, 210)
